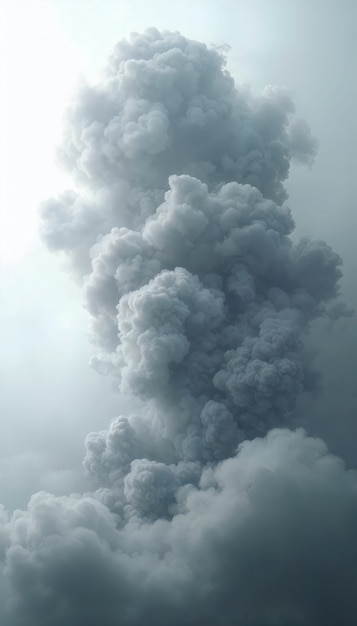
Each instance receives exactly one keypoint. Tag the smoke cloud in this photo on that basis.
(208, 507)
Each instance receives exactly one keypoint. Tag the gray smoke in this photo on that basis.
(206, 508)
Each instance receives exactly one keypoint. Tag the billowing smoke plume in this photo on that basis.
(197, 293)
(206, 508)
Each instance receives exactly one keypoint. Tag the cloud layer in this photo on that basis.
(205, 507)
(266, 537)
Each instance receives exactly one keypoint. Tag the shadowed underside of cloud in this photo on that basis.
(205, 508)
(266, 537)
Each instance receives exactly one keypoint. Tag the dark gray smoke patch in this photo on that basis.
(202, 511)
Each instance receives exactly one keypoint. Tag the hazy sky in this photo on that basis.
(50, 397)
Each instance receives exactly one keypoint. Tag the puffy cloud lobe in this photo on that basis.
(167, 105)
(317, 267)
(120, 264)
(266, 537)
(109, 453)
(215, 436)
(157, 324)
(265, 373)
(150, 487)
(193, 222)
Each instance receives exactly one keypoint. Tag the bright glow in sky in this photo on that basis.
(43, 50)
(38, 71)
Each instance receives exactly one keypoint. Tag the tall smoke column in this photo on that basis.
(206, 510)
(198, 295)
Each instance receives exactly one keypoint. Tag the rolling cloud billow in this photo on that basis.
(208, 506)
